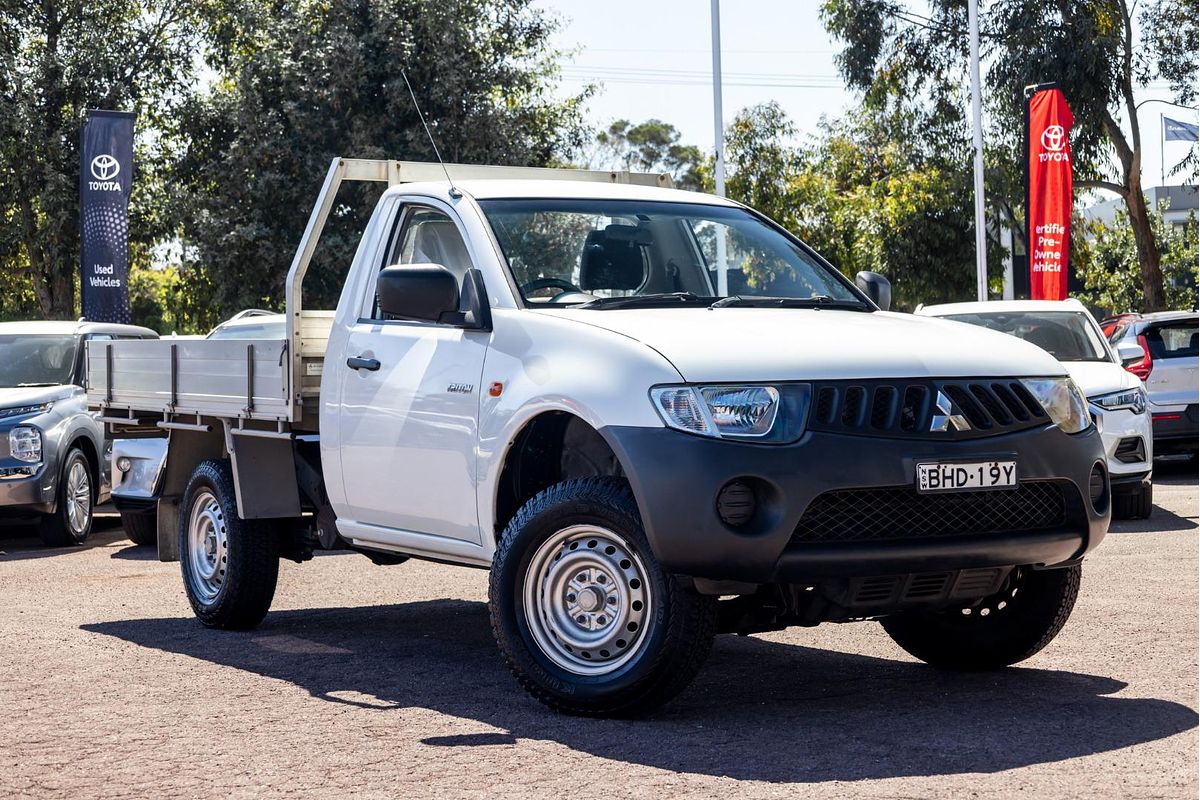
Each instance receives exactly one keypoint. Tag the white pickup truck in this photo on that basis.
(653, 415)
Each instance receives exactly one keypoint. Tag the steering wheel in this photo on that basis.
(550, 283)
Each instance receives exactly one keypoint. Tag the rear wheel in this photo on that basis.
(1000, 630)
(230, 565)
(141, 527)
(587, 620)
(71, 521)
(1138, 504)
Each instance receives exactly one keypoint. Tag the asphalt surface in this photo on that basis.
(384, 682)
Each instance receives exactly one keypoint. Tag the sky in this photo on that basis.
(653, 59)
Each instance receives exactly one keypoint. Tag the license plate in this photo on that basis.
(962, 477)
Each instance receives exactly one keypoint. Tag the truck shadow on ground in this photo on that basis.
(759, 710)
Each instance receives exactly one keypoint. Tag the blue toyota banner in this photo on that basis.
(1176, 131)
(105, 178)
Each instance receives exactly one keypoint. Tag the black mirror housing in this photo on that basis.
(423, 292)
(876, 287)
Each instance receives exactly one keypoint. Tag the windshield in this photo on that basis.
(36, 360)
(1066, 335)
(582, 251)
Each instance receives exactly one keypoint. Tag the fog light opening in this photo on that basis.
(736, 503)
(1098, 488)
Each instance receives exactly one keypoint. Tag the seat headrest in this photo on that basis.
(1053, 338)
(612, 258)
(437, 241)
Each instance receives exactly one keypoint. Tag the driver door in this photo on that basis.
(409, 418)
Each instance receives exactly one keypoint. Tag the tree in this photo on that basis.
(57, 60)
(865, 194)
(901, 59)
(650, 146)
(301, 83)
(1109, 249)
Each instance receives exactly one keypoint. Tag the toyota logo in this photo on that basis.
(105, 167)
(1054, 138)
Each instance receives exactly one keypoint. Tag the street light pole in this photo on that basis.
(977, 136)
(719, 139)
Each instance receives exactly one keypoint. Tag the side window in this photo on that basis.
(427, 236)
(1173, 340)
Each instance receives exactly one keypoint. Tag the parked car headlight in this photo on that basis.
(21, 411)
(1063, 402)
(25, 444)
(1132, 399)
(735, 412)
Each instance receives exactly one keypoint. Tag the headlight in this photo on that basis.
(735, 412)
(1064, 403)
(20, 411)
(25, 444)
(1132, 399)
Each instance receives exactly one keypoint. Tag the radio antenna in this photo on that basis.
(454, 192)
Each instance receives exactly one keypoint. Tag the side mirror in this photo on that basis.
(1129, 353)
(422, 292)
(429, 293)
(876, 287)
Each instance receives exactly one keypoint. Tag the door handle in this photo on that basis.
(369, 364)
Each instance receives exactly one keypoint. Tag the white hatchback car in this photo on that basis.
(1068, 332)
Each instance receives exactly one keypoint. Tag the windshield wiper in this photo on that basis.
(657, 299)
(30, 385)
(816, 301)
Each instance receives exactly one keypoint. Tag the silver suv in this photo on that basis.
(1161, 349)
(53, 463)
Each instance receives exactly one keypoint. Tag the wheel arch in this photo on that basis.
(550, 445)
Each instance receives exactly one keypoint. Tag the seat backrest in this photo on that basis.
(611, 263)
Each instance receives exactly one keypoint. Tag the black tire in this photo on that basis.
(1035, 607)
(245, 568)
(141, 527)
(679, 624)
(1138, 504)
(63, 528)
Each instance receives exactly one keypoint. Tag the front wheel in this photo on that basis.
(586, 619)
(1000, 630)
(71, 521)
(141, 526)
(230, 565)
(1138, 504)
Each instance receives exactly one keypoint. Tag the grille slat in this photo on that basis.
(906, 408)
(900, 512)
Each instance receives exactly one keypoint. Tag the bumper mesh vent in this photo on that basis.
(902, 513)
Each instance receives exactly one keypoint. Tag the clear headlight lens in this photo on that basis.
(25, 444)
(20, 411)
(720, 411)
(1132, 399)
(1064, 403)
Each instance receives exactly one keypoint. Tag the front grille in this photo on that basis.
(900, 512)
(907, 408)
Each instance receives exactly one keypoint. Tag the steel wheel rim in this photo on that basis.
(208, 551)
(79, 498)
(587, 599)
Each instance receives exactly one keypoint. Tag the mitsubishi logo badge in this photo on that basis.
(946, 419)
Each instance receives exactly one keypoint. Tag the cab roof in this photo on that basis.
(497, 189)
(80, 327)
(1001, 307)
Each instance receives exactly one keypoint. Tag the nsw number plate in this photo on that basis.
(965, 477)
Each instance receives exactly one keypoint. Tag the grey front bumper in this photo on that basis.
(676, 479)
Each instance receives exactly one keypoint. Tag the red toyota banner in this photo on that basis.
(1050, 194)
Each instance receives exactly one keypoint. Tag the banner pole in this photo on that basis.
(1162, 149)
(719, 141)
(977, 135)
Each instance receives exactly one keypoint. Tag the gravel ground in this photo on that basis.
(384, 682)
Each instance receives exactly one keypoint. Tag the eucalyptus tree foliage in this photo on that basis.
(299, 83)
(58, 59)
(650, 146)
(1102, 53)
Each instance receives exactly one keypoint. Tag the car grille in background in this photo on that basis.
(905, 409)
(900, 512)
